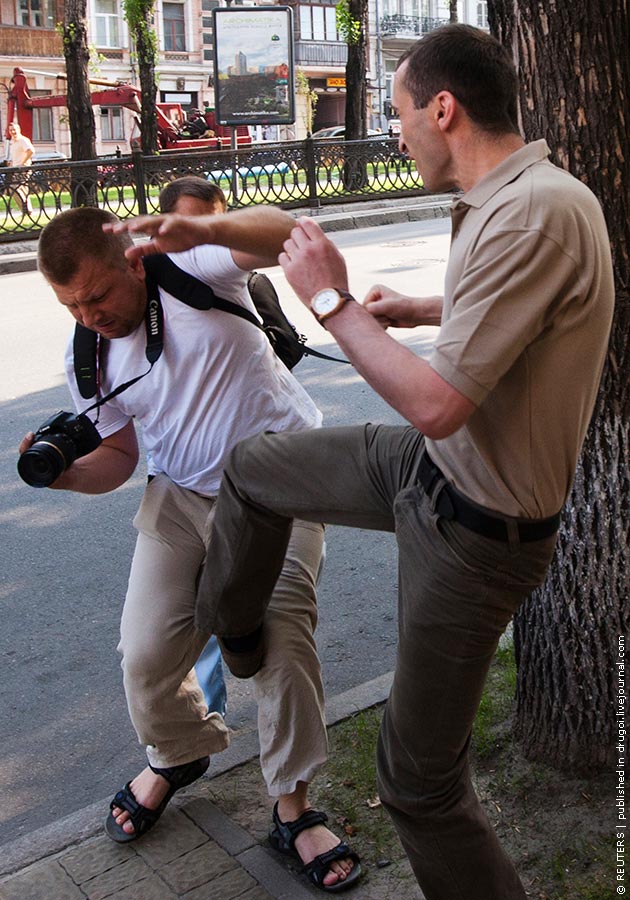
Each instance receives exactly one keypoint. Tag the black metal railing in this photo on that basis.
(291, 175)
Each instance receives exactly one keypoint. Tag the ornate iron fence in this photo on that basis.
(291, 175)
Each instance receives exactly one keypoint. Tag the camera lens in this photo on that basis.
(42, 463)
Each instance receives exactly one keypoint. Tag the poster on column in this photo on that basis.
(253, 58)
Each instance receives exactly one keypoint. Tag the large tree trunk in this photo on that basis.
(77, 56)
(356, 87)
(354, 169)
(148, 86)
(574, 69)
(139, 17)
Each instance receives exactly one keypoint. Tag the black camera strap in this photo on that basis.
(154, 327)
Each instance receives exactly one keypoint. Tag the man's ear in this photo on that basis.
(445, 108)
(136, 268)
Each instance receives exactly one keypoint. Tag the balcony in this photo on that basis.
(410, 27)
(320, 53)
(21, 40)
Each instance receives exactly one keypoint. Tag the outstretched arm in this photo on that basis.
(255, 236)
(311, 263)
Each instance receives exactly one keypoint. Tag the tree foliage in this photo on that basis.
(574, 69)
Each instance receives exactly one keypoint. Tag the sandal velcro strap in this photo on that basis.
(141, 818)
(181, 776)
(285, 833)
(319, 867)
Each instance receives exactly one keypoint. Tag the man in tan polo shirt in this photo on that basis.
(474, 485)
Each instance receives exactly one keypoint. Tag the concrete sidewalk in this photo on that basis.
(21, 256)
(195, 852)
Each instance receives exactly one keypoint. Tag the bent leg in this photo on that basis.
(290, 695)
(288, 688)
(159, 641)
(342, 476)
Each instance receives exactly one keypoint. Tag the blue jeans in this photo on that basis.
(457, 593)
(209, 672)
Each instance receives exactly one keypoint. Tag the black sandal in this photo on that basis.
(142, 818)
(282, 838)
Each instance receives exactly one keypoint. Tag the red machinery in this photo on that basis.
(175, 130)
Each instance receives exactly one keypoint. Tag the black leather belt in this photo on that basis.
(450, 504)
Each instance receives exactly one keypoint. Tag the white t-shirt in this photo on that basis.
(217, 381)
(19, 151)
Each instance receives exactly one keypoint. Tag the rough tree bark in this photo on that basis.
(139, 16)
(77, 56)
(574, 69)
(356, 71)
(352, 20)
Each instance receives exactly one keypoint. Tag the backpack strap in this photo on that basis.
(190, 290)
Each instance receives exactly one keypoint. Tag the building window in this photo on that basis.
(107, 23)
(318, 23)
(482, 14)
(36, 13)
(174, 30)
(112, 126)
(42, 126)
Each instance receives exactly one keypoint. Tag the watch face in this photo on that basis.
(325, 301)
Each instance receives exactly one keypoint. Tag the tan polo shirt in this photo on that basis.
(528, 306)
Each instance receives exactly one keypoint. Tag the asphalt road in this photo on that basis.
(66, 738)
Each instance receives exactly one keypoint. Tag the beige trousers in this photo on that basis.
(160, 645)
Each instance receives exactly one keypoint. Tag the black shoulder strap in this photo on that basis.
(85, 346)
(199, 295)
(190, 290)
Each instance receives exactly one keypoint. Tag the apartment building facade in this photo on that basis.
(30, 39)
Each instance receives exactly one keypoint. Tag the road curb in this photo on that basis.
(87, 822)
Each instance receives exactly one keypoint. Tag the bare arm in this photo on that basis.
(255, 236)
(103, 470)
(311, 262)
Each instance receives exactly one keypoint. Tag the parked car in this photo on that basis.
(259, 162)
(390, 151)
(338, 131)
(44, 156)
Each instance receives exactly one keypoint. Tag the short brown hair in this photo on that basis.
(473, 66)
(190, 186)
(76, 235)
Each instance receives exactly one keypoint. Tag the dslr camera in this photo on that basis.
(58, 442)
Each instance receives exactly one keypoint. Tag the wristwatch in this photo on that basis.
(328, 302)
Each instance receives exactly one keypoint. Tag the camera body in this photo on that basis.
(58, 442)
